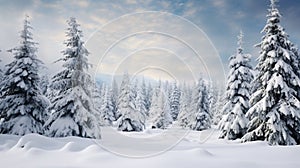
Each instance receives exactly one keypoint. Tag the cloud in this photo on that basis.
(122, 39)
(131, 1)
(219, 4)
(220, 21)
(79, 3)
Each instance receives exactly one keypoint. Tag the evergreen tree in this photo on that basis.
(274, 113)
(211, 97)
(175, 101)
(149, 92)
(140, 99)
(201, 117)
(131, 119)
(161, 109)
(217, 106)
(154, 105)
(185, 110)
(107, 115)
(233, 124)
(134, 89)
(73, 113)
(97, 98)
(115, 94)
(44, 84)
(22, 105)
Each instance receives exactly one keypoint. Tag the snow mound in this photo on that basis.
(34, 150)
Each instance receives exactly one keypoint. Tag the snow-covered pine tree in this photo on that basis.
(113, 105)
(161, 109)
(142, 90)
(131, 119)
(97, 98)
(154, 105)
(217, 112)
(185, 112)
(44, 84)
(148, 97)
(211, 96)
(175, 101)
(140, 100)
(274, 113)
(134, 88)
(22, 105)
(213, 101)
(200, 119)
(107, 115)
(73, 113)
(115, 94)
(237, 95)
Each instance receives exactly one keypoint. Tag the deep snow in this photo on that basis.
(196, 149)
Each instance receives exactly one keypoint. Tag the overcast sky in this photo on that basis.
(219, 21)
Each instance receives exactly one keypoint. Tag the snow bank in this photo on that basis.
(34, 150)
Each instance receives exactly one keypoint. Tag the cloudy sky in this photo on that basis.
(180, 40)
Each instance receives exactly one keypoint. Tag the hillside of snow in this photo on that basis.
(34, 150)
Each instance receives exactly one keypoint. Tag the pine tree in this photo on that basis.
(97, 98)
(201, 117)
(148, 97)
(217, 111)
(107, 115)
(185, 110)
(154, 105)
(73, 113)
(115, 94)
(140, 100)
(175, 101)
(233, 124)
(44, 84)
(161, 109)
(131, 119)
(22, 105)
(274, 113)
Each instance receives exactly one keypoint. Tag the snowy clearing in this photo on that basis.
(34, 150)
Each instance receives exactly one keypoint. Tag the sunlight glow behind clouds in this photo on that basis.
(149, 32)
(220, 20)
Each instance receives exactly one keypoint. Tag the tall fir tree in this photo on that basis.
(96, 97)
(217, 106)
(274, 113)
(22, 105)
(131, 119)
(185, 109)
(107, 115)
(234, 123)
(200, 119)
(149, 92)
(115, 94)
(175, 101)
(73, 113)
(140, 100)
(154, 104)
(162, 117)
(44, 84)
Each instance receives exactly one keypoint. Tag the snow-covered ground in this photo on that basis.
(196, 149)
